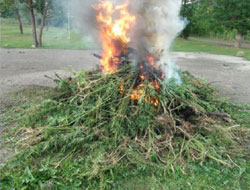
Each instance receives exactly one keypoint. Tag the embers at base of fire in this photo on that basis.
(148, 77)
(118, 61)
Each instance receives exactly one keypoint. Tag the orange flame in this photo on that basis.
(115, 24)
(151, 60)
(138, 92)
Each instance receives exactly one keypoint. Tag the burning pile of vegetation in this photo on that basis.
(121, 122)
(102, 136)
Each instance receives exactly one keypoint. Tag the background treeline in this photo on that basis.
(222, 19)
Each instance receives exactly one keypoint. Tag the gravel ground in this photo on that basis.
(22, 68)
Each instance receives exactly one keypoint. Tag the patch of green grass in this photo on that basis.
(11, 38)
(17, 101)
(182, 45)
(209, 176)
(56, 38)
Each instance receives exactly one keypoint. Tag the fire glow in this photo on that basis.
(114, 33)
(115, 24)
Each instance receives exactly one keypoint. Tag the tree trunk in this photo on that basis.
(19, 21)
(47, 25)
(43, 24)
(239, 38)
(33, 22)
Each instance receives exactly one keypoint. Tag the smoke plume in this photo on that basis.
(158, 23)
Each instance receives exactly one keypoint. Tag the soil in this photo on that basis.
(228, 74)
(27, 68)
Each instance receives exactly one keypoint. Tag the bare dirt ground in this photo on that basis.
(24, 68)
(21, 68)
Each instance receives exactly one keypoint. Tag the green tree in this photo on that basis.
(12, 7)
(187, 13)
(203, 19)
(30, 5)
(234, 14)
(42, 7)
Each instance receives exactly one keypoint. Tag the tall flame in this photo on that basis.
(115, 24)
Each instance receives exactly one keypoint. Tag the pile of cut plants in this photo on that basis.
(93, 135)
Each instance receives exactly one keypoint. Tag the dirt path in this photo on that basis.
(20, 68)
(219, 42)
(228, 74)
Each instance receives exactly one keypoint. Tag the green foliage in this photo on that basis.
(58, 16)
(218, 17)
(187, 14)
(203, 19)
(233, 14)
(40, 5)
(7, 7)
(92, 136)
(228, 35)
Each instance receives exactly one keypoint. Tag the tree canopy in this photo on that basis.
(7, 7)
(233, 14)
(218, 17)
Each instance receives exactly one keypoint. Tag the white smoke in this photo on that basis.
(158, 24)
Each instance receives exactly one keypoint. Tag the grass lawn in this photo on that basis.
(182, 45)
(57, 38)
